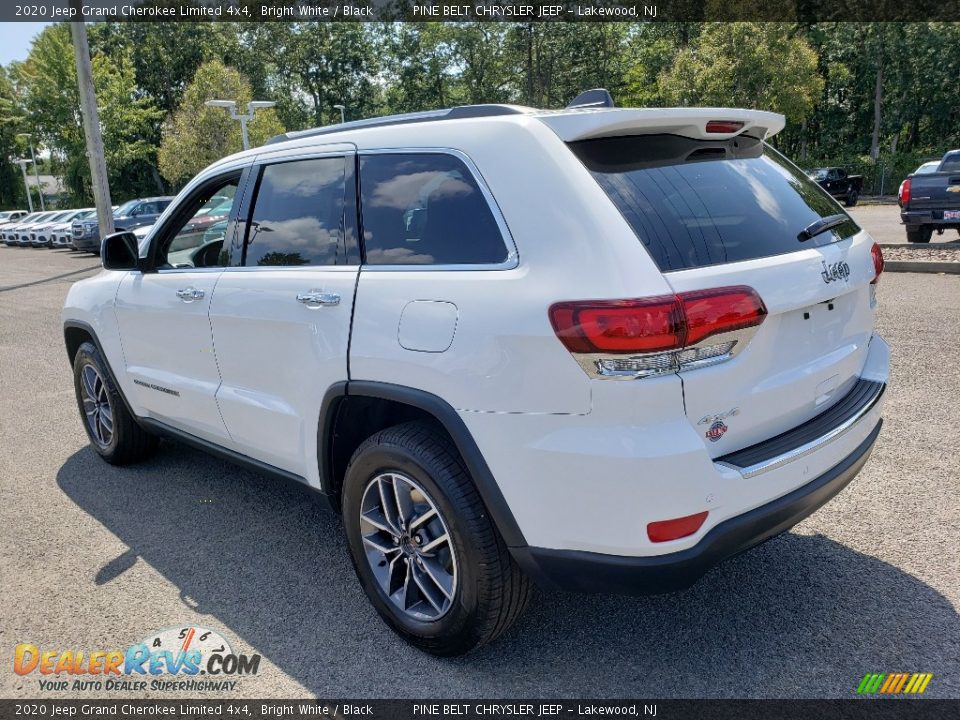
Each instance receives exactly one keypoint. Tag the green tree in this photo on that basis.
(313, 66)
(12, 195)
(198, 135)
(756, 65)
(46, 83)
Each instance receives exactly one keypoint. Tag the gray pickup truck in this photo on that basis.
(931, 201)
(85, 234)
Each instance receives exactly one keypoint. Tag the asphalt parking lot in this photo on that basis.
(96, 557)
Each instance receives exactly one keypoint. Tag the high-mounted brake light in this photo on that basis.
(656, 335)
(723, 126)
(905, 192)
(665, 530)
(877, 255)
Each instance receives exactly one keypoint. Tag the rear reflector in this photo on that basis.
(664, 530)
(723, 126)
(877, 255)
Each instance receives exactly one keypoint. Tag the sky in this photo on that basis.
(15, 39)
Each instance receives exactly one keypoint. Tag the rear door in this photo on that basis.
(281, 321)
(730, 212)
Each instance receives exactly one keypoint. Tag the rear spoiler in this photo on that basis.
(590, 123)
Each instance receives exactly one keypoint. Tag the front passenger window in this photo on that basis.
(198, 240)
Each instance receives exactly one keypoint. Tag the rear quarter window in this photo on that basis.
(694, 203)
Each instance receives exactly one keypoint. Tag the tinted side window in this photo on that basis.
(196, 237)
(425, 209)
(298, 214)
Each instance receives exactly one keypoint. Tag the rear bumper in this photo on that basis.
(581, 571)
(929, 217)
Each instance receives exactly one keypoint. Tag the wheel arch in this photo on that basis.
(77, 332)
(353, 411)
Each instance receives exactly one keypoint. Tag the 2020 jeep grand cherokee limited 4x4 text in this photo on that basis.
(605, 348)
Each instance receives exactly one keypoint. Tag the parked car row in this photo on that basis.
(50, 228)
(77, 229)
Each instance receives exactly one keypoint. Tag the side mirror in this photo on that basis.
(120, 251)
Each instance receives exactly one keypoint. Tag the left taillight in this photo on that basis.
(877, 254)
(651, 336)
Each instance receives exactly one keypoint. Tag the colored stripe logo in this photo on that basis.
(894, 683)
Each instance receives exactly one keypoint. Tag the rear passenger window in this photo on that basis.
(425, 209)
(298, 214)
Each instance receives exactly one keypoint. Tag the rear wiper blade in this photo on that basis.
(821, 226)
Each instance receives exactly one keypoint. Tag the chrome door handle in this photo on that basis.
(189, 294)
(318, 298)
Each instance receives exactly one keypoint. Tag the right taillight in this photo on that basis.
(652, 336)
(877, 254)
(905, 192)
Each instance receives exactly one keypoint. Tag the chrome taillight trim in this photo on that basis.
(666, 362)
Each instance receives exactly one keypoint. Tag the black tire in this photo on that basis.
(919, 233)
(851, 198)
(490, 592)
(128, 442)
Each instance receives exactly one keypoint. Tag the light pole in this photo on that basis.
(22, 162)
(252, 107)
(36, 172)
(343, 110)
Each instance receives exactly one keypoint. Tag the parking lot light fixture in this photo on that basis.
(36, 171)
(343, 112)
(243, 118)
(22, 162)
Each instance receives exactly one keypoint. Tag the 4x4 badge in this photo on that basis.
(834, 271)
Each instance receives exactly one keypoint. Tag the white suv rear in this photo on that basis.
(606, 348)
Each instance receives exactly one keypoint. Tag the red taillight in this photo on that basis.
(877, 255)
(619, 326)
(658, 324)
(709, 312)
(723, 126)
(664, 530)
(905, 192)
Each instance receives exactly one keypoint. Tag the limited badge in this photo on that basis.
(716, 430)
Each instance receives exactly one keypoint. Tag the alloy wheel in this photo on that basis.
(408, 546)
(96, 405)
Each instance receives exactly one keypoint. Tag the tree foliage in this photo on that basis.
(198, 135)
(874, 96)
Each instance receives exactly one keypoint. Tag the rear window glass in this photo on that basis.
(950, 163)
(694, 203)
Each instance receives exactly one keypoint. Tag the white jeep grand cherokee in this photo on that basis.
(604, 348)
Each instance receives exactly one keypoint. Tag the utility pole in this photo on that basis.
(91, 123)
(23, 168)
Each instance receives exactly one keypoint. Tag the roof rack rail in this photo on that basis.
(457, 113)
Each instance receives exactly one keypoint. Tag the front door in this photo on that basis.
(163, 317)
